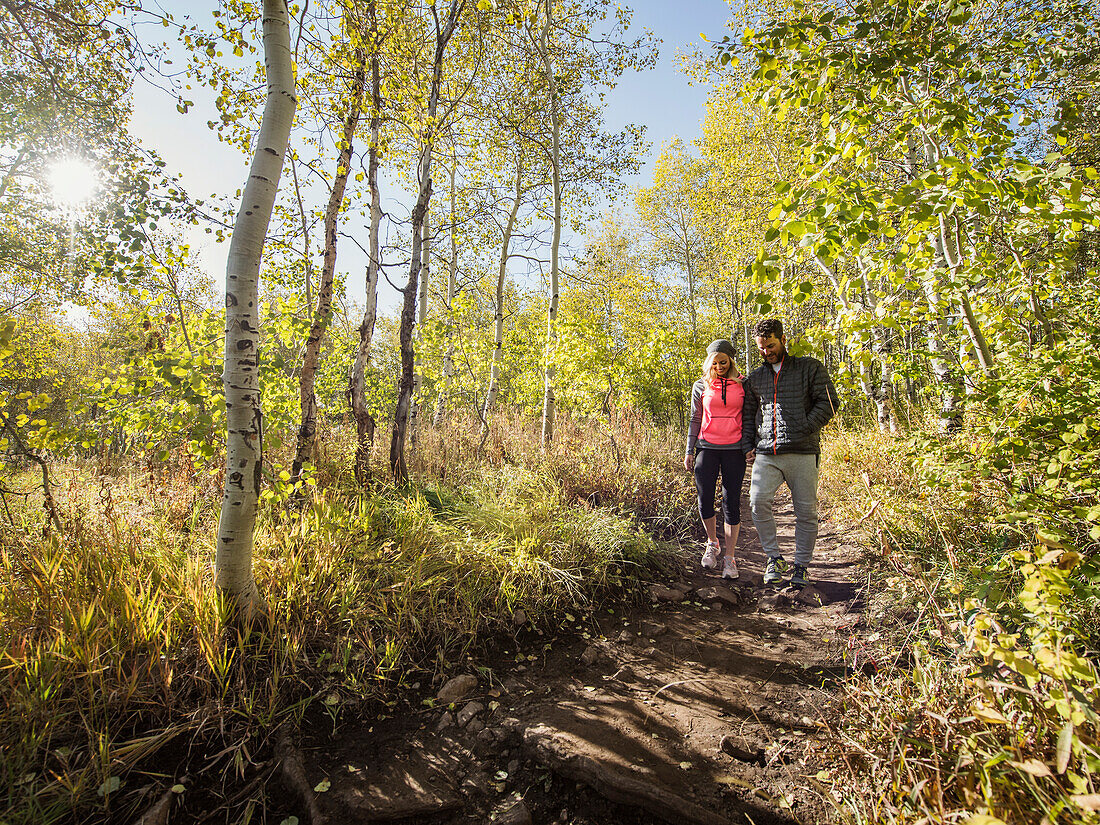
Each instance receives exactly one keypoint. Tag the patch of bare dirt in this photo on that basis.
(706, 707)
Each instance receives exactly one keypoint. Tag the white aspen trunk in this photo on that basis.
(949, 412)
(322, 314)
(1047, 330)
(241, 379)
(364, 421)
(502, 271)
(421, 318)
(549, 403)
(881, 389)
(452, 282)
(841, 291)
(951, 243)
(419, 213)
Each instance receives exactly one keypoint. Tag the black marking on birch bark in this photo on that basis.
(257, 471)
(243, 345)
(236, 479)
(270, 151)
(230, 300)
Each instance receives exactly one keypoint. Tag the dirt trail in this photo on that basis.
(704, 707)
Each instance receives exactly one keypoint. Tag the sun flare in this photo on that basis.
(74, 182)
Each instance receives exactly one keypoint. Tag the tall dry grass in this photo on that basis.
(119, 674)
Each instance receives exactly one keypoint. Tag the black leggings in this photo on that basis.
(732, 465)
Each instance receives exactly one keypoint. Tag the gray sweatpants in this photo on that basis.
(799, 470)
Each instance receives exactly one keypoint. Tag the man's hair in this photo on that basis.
(769, 327)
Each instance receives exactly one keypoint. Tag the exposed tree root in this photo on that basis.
(292, 767)
(157, 813)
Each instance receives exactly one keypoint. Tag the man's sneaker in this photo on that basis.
(729, 569)
(710, 556)
(774, 569)
(799, 577)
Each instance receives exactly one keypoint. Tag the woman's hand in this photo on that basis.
(689, 464)
(750, 455)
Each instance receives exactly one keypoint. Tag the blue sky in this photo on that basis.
(661, 98)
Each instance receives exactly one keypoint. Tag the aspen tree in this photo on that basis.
(548, 403)
(443, 32)
(364, 421)
(322, 314)
(241, 380)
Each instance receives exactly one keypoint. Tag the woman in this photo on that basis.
(720, 424)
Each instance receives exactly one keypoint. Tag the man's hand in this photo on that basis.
(750, 455)
(689, 463)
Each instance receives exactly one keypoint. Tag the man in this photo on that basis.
(795, 399)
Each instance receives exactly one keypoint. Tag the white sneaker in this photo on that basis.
(710, 556)
(729, 569)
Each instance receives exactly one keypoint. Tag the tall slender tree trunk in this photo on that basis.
(548, 401)
(689, 270)
(950, 412)
(951, 248)
(881, 390)
(364, 421)
(322, 315)
(502, 272)
(241, 379)
(308, 263)
(866, 382)
(419, 214)
(452, 284)
(421, 319)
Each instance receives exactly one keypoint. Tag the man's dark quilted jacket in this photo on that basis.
(792, 405)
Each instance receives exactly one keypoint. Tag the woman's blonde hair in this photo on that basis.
(710, 372)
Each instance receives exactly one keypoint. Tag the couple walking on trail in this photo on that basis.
(772, 418)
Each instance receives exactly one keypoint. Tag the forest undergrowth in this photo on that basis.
(118, 660)
(974, 692)
(975, 696)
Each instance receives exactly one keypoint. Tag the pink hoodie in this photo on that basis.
(716, 416)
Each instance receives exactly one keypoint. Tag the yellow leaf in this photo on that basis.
(1033, 767)
(1065, 747)
(1088, 801)
(990, 715)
